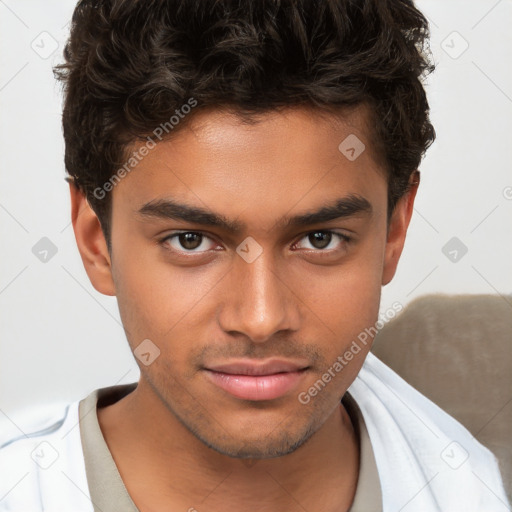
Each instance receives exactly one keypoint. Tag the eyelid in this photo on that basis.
(344, 237)
(323, 230)
(175, 234)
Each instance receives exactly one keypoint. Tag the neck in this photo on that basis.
(164, 466)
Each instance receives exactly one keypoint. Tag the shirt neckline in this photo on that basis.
(109, 494)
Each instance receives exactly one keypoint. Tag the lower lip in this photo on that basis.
(256, 387)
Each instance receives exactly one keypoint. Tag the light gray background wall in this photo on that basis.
(60, 338)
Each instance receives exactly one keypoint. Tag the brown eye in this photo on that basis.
(188, 242)
(321, 240)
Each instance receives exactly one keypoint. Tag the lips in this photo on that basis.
(249, 380)
(263, 368)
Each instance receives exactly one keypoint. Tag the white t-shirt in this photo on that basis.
(426, 460)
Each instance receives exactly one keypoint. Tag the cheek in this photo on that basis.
(348, 309)
(158, 300)
(345, 306)
(346, 298)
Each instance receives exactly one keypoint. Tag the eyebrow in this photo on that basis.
(344, 207)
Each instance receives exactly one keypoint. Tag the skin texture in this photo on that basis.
(178, 440)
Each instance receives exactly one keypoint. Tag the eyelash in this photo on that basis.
(344, 238)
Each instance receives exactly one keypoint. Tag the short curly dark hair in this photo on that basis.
(131, 65)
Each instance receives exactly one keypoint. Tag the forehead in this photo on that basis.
(279, 162)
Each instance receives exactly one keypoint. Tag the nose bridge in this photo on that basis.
(258, 304)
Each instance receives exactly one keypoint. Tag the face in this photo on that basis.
(253, 298)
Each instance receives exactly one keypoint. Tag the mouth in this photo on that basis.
(248, 380)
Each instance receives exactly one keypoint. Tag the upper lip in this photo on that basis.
(250, 367)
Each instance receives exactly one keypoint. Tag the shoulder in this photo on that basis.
(422, 453)
(41, 461)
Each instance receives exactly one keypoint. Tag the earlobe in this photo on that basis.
(398, 225)
(91, 242)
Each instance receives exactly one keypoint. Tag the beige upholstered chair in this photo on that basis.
(457, 351)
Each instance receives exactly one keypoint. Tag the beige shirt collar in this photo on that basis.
(109, 494)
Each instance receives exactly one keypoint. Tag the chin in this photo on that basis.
(264, 446)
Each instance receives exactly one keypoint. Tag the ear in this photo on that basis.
(398, 225)
(91, 242)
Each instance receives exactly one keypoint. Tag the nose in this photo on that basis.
(259, 302)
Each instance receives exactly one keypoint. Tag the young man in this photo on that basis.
(243, 177)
